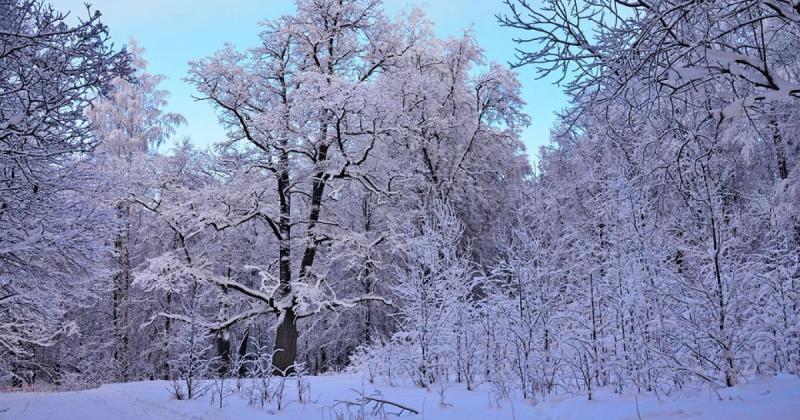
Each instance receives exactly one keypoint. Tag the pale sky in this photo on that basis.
(176, 31)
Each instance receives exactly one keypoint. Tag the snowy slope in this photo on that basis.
(761, 398)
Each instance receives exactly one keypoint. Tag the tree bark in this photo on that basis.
(120, 294)
(223, 343)
(166, 367)
(243, 353)
(285, 344)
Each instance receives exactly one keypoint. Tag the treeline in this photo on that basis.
(372, 206)
(657, 244)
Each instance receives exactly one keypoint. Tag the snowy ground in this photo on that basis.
(761, 398)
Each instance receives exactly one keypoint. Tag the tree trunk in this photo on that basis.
(285, 344)
(165, 367)
(120, 294)
(223, 342)
(223, 339)
(243, 353)
(780, 150)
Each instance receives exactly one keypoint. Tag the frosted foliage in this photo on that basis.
(49, 70)
(371, 210)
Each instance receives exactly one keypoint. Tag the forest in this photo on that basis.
(373, 210)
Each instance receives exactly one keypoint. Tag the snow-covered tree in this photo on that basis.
(50, 70)
(304, 102)
(128, 124)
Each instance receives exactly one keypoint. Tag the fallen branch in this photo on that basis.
(379, 405)
(402, 408)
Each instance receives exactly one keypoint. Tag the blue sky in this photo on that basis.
(176, 31)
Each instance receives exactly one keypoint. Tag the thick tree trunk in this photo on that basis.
(285, 348)
(286, 336)
(285, 344)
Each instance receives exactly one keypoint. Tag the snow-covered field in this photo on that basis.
(760, 398)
